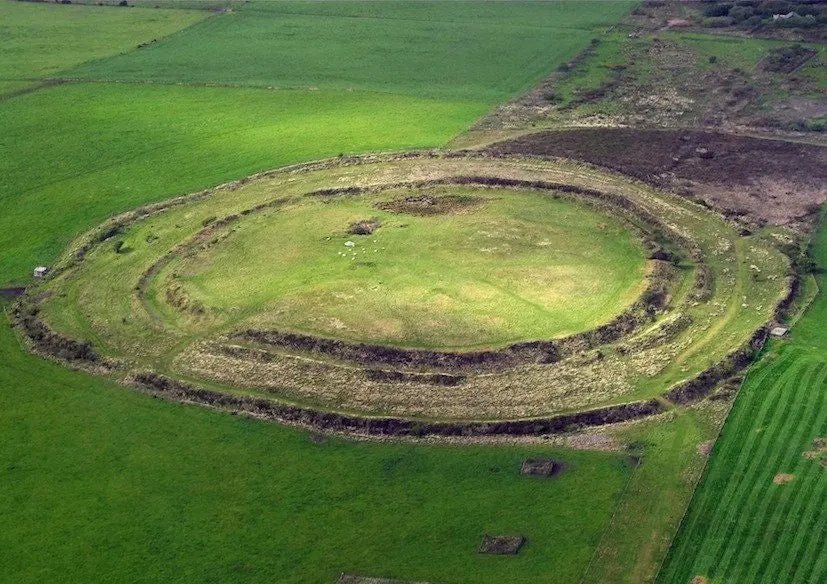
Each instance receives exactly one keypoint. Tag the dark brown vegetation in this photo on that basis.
(11, 292)
(50, 343)
(265, 409)
(787, 59)
(768, 181)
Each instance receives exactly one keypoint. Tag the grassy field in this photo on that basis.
(126, 488)
(513, 266)
(449, 50)
(152, 142)
(758, 515)
(39, 40)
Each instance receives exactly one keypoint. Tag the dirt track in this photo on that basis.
(768, 181)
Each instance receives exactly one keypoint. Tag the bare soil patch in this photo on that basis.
(704, 448)
(593, 441)
(783, 478)
(818, 451)
(501, 544)
(767, 181)
(426, 204)
(542, 467)
(364, 226)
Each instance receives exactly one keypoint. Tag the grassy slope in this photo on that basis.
(639, 534)
(449, 50)
(620, 63)
(741, 527)
(140, 490)
(98, 149)
(38, 40)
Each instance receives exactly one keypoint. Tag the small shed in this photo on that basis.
(779, 331)
(40, 272)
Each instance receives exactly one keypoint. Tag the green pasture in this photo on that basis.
(89, 150)
(39, 40)
(741, 525)
(127, 488)
(450, 50)
(543, 13)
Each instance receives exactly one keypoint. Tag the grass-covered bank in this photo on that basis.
(758, 514)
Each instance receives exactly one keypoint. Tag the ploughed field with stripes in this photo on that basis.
(759, 513)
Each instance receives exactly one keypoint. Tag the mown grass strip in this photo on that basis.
(741, 526)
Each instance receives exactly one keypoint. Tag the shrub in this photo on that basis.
(817, 124)
(717, 10)
(770, 7)
(718, 22)
(551, 97)
(741, 13)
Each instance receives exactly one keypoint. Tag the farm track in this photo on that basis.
(742, 527)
